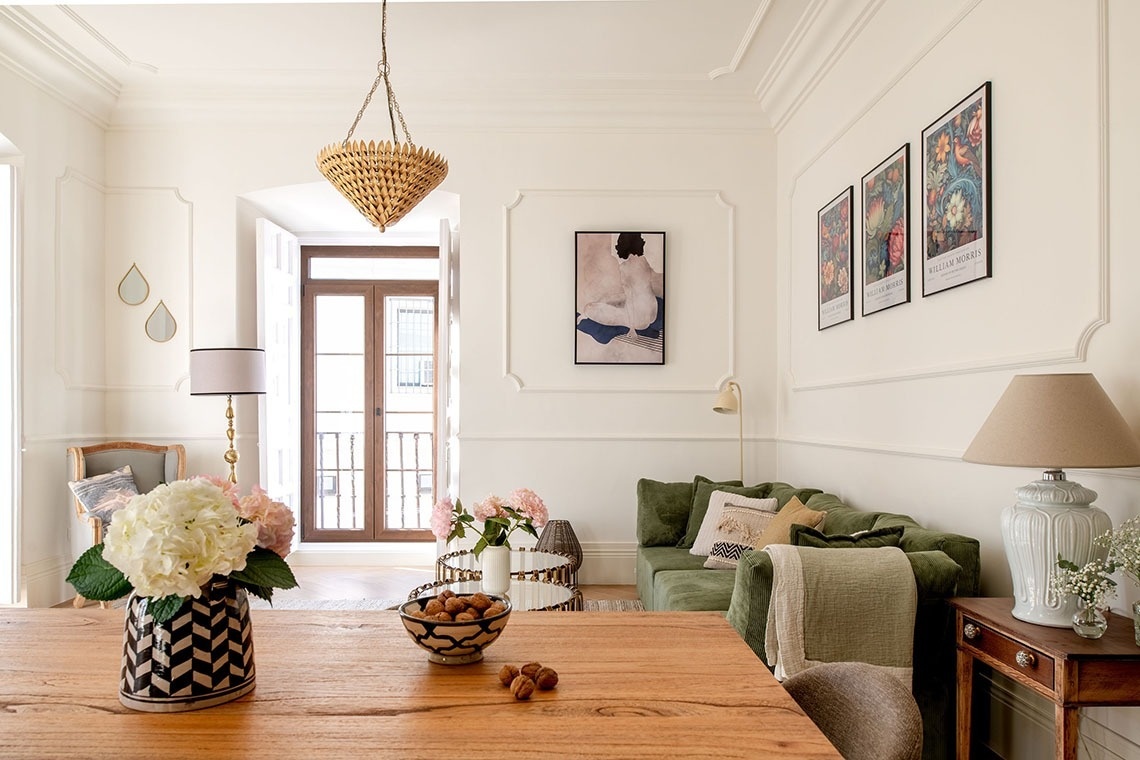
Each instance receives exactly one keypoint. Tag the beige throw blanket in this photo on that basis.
(840, 605)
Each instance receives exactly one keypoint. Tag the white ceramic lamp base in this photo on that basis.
(1050, 517)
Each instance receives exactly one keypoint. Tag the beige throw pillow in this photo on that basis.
(793, 513)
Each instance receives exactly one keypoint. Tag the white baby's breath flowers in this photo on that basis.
(172, 540)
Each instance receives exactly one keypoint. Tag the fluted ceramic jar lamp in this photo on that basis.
(1052, 422)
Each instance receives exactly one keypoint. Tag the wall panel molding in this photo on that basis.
(1076, 350)
(715, 196)
(745, 42)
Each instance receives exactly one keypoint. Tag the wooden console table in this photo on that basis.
(351, 684)
(1070, 671)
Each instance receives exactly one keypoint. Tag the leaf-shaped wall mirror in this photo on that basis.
(160, 325)
(133, 288)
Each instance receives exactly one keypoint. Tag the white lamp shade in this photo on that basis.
(227, 371)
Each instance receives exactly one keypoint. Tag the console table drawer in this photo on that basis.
(1016, 656)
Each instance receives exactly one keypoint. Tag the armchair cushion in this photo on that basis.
(101, 495)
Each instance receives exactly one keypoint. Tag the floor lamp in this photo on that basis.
(227, 372)
(731, 401)
(1052, 422)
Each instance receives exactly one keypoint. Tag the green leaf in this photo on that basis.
(480, 545)
(265, 568)
(263, 592)
(529, 528)
(95, 578)
(165, 607)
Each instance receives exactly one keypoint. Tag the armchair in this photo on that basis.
(151, 465)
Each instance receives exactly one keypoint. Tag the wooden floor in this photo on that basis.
(394, 583)
(389, 583)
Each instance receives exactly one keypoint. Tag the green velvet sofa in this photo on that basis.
(670, 578)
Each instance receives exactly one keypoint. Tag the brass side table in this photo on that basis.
(526, 564)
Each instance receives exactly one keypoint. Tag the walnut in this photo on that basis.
(446, 594)
(507, 674)
(455, 605)
(495, 609)
(546, 679)
(480, 601)
(464, 617)
(522, 687)
(433, 607)
(530, 670)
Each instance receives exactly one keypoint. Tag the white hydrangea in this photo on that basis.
(172, 540)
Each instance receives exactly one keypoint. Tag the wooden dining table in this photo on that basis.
(348, 684)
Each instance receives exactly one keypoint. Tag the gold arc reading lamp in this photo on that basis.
(731, 401)
(1052, 422)
(227, 372)
(383, 180)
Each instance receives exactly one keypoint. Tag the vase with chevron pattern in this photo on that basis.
(201, 657)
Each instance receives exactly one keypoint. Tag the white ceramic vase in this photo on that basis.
(495, 564)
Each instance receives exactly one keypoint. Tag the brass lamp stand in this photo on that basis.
(227, 372)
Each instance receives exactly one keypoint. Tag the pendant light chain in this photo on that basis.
(383, 71)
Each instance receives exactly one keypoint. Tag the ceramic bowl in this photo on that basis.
(454, 643)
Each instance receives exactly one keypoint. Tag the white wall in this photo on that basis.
(54, 142)
(879, 410)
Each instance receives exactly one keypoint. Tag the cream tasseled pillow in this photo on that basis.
(703, 544)
(737, 532)
(793, 513)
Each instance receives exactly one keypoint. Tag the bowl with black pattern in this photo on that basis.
(451, 637)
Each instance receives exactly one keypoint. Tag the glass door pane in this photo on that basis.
(339, 407)
(409, 424)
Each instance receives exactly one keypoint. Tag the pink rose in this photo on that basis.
(896, 244)
(528, 503)
(275, 522)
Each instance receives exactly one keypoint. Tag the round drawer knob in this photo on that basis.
(970, 631)
(1025, 659)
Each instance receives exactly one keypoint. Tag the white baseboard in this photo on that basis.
(45, 582)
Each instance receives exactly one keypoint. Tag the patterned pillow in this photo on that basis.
(737, 532)
(702, 546)
(802, 535)
(103, 495)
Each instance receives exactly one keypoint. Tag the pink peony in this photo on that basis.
(441, 518)
(528, 503)
(274, 520)
(492, 506)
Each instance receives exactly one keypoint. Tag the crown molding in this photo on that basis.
(36, 54)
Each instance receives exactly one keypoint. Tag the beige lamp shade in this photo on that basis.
(1055, 422)
(726, 402)
(227, 371)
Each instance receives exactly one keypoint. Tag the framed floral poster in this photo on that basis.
(956, 209)
(886, 233)
(836, 303)
(620, 298)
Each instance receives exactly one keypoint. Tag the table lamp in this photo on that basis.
(1052, 422)
(227, 372)
(731, 401)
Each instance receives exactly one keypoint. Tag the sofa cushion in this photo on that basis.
(703, 489)
(793, 513)
(662, 511)
(783, 493)
(802, 535)
(653, 559)
(687, 590)
(718, 501)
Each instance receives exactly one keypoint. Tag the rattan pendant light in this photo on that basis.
(383, 180)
